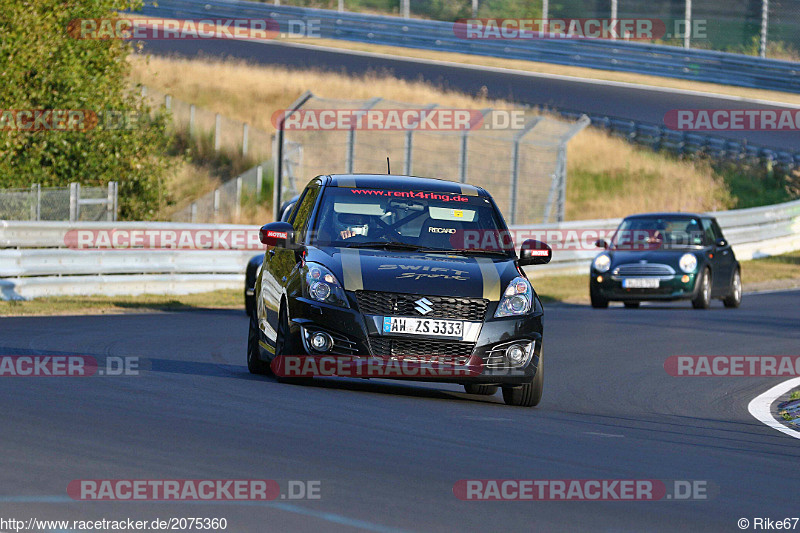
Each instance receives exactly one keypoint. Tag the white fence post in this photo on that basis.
(191, 119)
(238, 208)
(764, 24)
(259, 181)
(614, 12)
(74, 199)
(111, 202)
(245, 132)
(687, 21)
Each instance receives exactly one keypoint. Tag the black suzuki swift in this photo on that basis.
(376, 268)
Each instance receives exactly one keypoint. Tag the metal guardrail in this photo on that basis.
(34, 260)
(659, 137)
(661, 60)
(755, 232)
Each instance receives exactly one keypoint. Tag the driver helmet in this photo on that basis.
(358, 224)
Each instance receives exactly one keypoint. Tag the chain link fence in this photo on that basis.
(224, 204)
(732, 25)
(518, 156)
(73, 203)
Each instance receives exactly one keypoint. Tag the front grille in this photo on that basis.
(390, 303)
(422, 350)
(641, 269)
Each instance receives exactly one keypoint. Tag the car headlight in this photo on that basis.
(688, 263)
(517, 298)
(602, 262)
(321, 285)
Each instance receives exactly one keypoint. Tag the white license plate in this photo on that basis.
(640, 283)
(423, 326)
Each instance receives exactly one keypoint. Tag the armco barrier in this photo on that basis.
(34, 260)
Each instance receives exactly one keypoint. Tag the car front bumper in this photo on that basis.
(480, 356)
(674, 287)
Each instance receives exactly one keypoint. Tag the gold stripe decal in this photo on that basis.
(267, 347)
(491, 279)
(351, 268)
(469, 190)
(346, 182)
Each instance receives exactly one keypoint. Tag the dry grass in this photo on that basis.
(187, 183)
(103, 305)
(608, 177)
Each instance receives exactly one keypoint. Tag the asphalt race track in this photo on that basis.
(644, 105)
(387, 454)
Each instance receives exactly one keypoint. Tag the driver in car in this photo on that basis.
(353, 225)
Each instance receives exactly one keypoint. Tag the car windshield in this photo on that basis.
(648, 233)
(411, 220)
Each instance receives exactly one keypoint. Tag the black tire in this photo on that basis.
(254, 364)
(283, 345)
(632, 305)
(598, 302)
(529, 394)
(703, 298)
(249, 304)
(734, 297)
(483, 390)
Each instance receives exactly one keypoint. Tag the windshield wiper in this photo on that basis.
(393, 245)
(468, 251)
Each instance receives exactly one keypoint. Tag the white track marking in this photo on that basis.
(760, 406)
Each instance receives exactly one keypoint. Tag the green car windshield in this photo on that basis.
(423, 220)
(649, 233)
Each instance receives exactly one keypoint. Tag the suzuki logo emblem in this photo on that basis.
(423, 306)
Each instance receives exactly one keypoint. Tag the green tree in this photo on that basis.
(43, 66)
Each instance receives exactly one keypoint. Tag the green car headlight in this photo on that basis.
(688, 263)
(602, 263)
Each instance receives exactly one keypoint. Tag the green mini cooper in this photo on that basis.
(666, 256)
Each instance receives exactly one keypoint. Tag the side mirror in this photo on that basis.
(533, 252)
(601, 243)
(721, 243)
(280, 234)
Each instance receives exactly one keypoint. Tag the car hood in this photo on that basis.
(417, 272)
(664, 257)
